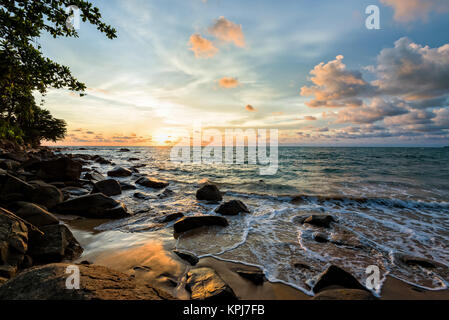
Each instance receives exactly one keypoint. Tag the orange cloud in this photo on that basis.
(250, 108)
(228, 31)
(310, 118)
(409, 10)
(228, 82)
(202, 47)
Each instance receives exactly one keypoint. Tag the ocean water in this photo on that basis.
(388, 202)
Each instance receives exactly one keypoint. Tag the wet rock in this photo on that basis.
(120, 172)
(56, 244)
(45, 194)
(193, 222)
(232, 208)
(124, 150)
(335, 276)
(166, 193)
(133, 159)
(152, 183)
(418, 261)
(171, 217)
(8, 164)
(101, 160)
(205, 284)
(255, 276)
(320, 237)
(190, 258)
(70, 192)
(61, 169)
(13, 189)
(18, 156)
(97, 283)
(109, 187)
(93, 176)
(34, 214)
(209, 192)
(322, 221)
(301, 265)
(141, 196)
(344, 294)
(127, 186)
(93, 206)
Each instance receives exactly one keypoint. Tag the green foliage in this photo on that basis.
(24, 70)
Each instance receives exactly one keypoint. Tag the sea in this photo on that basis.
(389, 203)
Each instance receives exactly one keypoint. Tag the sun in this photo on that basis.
(163, 139)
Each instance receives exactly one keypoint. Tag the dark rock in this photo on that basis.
(209, 192)
(141, 196)
(323, 221)
(232, 208)
(109, 187)
(133, 159)
(152, 183)
(120, 172)
(93, 206)
(190, 258)
(93, 176)
(61, 169)
(100, 160)
(418, 261)
(320, 237)
(55, 245)
(171, 217)
(127, 186)
(13, 189)
(335, 276)
(8, 164)
(255, 276)
(124, 150)
(344, 294)
(18, 156)
(205, 284)
(300, 265)
(193, 222)
(96, 283)
(165, 194)
(74, 192)
(45, 194)
(34, 214)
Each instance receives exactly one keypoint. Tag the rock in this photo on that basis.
(13, 189)
(232, 208)
(100, 160)
(13, 243)
(418, 261)
(93, 206)
(193, 222)
(45, 194)
(120, 172)
(255, 276)
(323, 221)
(320, 237)
(8, 164)
(133, 159)
(124, 150)
(171, 217)
(152, 183)
(190, 258)
(61, 169)
(96, 283)
(344, 294)
(127, 186)
(205, 284)
(335, 276)
(70, 192)
(209, 192)
(300, 265)
(93, 176)
(141, 196)
(55, 245)
(109, 187)
(16, 156)
(34, 214)
(165, 194)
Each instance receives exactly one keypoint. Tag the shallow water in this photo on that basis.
(387, 201)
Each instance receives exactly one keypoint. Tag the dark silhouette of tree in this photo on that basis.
(24, 70)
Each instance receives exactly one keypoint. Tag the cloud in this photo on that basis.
(250, 108)
(202, 47)
(310, 118)
(335, 86)
(228, 31)
(410, 10)
(228, 82)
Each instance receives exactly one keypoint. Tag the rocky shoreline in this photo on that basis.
(38, 186)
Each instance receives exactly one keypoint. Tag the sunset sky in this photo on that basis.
(308, 68)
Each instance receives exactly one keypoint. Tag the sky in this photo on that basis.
(311, 69)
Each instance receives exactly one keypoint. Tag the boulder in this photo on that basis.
(33, 213)
(69, 192)
(56, 244)
(232, 208)
(127, 186)
(13, 243)
(45, 194)
(93, 176)
(322, 221)
(209, 192)
(96, 283)
(193, 222)
(61, 169)
(13, 189)
(18, 156)
(124, 150)
(93, 206)
(335, 276)
(120, 172)
(257, 277)
(166, 193)
(190, 258)
(344, 294)
(206, 284)
(141, 196)
(100, 160)
(152, 183)
(170, 217)
(109, 187)
(8, 164)
(320, 237)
